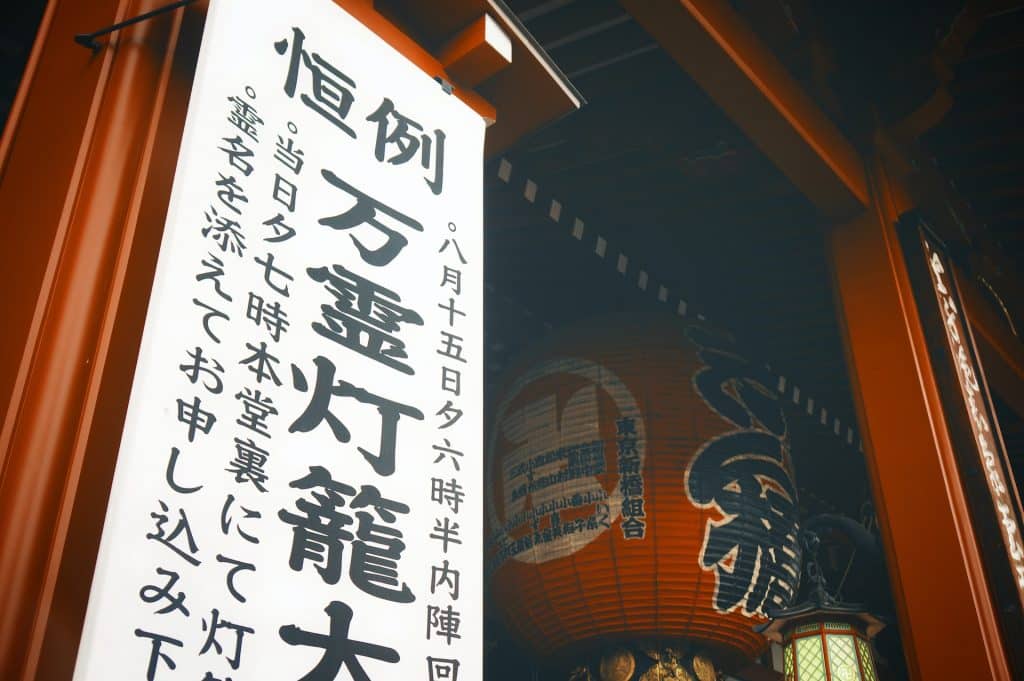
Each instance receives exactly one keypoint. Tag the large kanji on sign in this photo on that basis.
(297, 493)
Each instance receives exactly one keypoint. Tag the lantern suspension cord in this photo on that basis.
(1002, 305)
(842, 580)
(89, 39)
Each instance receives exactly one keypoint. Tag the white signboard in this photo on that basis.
(298, 492)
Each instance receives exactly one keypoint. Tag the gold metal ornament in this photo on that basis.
(704, 669)
(618, 665)
(666, 671)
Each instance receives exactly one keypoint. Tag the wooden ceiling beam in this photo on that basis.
(719, 51)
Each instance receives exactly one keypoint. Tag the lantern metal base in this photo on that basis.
(647, 661)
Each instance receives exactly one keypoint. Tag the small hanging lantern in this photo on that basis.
(823, 639)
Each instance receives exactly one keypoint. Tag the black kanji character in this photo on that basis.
(450, 347)
(738, 390)
(269, 271)
(247, 466)
(238, 154)
(230, 192)
(407, 144)
(285, 192)
(449, 413)
(172, 464)
(370, 211)
(454, 244)
(213, 272)
(318, 411)
(633, 507)
(230, 579)
(625, 426)
(447, 452)
(452, 311)
(451, 381)
(339, 650)
(182, 528)
(195, 417)
(629, 465)
(224, 231)
(256, 409)
(447, 492)
(446, 532)
(453, 278)
(211, 312)
(332, 90)
(320, 533)
(270, 315)
(443, 623)
(373, 567)
(155, 654)
(631, 485)
(153, 593)
(441, 669)
(225, 519)
(633, 528)
(244, 117)
(261, 363)
(290, 157)
(282, 232)
(365, 317)
(627, 447)
(445, 576)
(197, 365)
(217, 623)
(743, 475)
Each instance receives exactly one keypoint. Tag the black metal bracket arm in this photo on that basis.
(445, 85)
(89, 39)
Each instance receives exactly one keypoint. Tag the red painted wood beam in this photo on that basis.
(80, 227)
(932, 550)
(715, 46)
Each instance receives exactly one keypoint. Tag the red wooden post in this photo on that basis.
(942, 598)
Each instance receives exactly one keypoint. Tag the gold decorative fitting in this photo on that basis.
(618, 665)
(703, 668)
(667, 671)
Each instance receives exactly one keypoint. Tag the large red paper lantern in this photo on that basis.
(639, 486)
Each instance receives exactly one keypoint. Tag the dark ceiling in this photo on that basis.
(18, 24)
(659, 175)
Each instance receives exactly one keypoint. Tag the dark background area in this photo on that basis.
(18, 24)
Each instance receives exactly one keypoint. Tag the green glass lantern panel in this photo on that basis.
(810, 659)
(867, 660)
(787, 663)
(842, 658)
